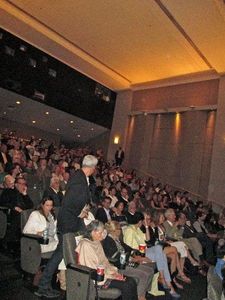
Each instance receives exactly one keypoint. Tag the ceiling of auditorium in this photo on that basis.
(14, 107)
(123, 44)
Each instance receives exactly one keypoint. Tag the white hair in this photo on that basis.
(89, 161)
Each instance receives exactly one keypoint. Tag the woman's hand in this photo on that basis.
(140, 259)
(40, 233)
(119, 276)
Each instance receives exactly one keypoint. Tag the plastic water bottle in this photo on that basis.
(122, 260)
(45, 236)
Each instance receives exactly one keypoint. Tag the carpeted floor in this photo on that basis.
(14, 287)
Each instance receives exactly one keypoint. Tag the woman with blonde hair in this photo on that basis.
(114, 246)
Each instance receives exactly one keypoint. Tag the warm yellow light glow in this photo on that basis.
(116, 140)
(177, 126)
(18, 102)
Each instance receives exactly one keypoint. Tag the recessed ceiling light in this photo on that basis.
(4, 113)
(33, 122)
(57, 129)
(71, 122)
(92, 129)
(78, 135)
(47, 113)
(18, 102)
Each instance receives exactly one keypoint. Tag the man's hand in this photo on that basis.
(18, 209)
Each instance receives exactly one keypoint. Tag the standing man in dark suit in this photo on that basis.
(119, 156)
(70, 219)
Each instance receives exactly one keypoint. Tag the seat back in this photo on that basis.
(69, 246)
(3, 224)
(24, 216)
(78, 281)
(214, 287)
(30, 255)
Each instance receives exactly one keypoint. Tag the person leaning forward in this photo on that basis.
(70, 219)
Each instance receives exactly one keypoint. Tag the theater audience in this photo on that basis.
(196, 226)
(123, 196)
(190, 231)
(134, 237)
(131, 212)
(112, 195)
(156, 237)
(113, 246)
(118, 214)
(175, 233)
(104, 213)
(91, 254)
(54, 192)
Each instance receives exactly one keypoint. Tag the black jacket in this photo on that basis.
(76, 197)
(101, 215)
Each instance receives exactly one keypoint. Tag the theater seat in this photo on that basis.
(3, 221)
(214, 288)
(78, 278)
(30, 244)
(31, 256)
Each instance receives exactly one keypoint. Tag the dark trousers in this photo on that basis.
(207, 245)
(52, 265)
(128, 288)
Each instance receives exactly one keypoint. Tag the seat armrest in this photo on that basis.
(84, 270)
(35, 237)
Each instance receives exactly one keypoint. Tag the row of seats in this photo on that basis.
(78, 278)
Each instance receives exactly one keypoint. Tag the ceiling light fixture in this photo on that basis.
(47, 113)
(71, 122)
(78, 135)
(57, 129)
(33, 122)
(23, 48)
(18, 102)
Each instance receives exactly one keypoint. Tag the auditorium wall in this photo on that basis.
(177, 148)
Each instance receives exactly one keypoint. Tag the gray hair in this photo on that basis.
(168, 212)
(89, 161)
(95, 225)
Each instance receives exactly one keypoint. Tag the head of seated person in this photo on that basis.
(46, 207)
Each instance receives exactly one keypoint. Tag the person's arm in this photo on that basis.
(35, 224)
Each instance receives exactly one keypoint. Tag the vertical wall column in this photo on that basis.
(141, 130)
(216, 189)
(121, 122)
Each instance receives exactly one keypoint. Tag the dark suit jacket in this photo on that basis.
(101, 215)
(8, 165)
(12, 198)
(76, 197)
(56, 197)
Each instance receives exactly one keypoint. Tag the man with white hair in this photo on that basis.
(77, 197)
(53, 192)
(70, 219)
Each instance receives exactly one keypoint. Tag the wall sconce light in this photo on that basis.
(116, 140)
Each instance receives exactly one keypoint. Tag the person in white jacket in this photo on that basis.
(41, 219)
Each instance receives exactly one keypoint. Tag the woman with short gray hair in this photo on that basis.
(91, 254)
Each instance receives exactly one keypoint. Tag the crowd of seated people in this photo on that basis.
(133, 210)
